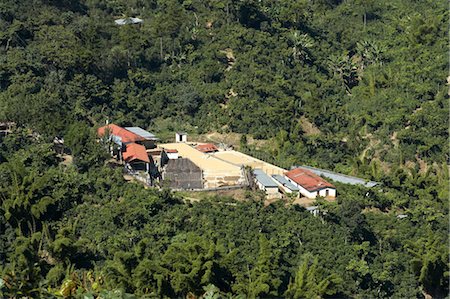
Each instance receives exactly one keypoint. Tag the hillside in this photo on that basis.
(357, 87)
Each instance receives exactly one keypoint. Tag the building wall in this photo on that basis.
(172, 155)
(180, 137)
(283, 188)
(331, 192)
(184, 180)
(216, 173)
(305, 192)
(314, 194)
(149, 144)
(271, 192)
(139, 165)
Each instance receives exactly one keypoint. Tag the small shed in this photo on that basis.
(183, 174)
(181, 137)
(266, 183)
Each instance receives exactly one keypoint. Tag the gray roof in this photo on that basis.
(182, 165)
(264, 179)
(183, 174)
(312, 208)
(128, 21)
(342, 178)
(141, 132)
(283, 181)
(116, 139)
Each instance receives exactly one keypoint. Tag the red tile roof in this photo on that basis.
(308, 180)
(125, 135)
(135, 152)
(207, 148)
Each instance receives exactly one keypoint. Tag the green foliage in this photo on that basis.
(307, 282)
(375, 98)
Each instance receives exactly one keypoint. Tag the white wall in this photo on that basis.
(183, 137)
(331, 192)
(270, 191)
(305, 192)
(314, 194)
(172, 156)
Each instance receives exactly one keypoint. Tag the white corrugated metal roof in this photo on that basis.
(285, 182)
(128, 21)
(342, 178)
(141, 132)
(264, 179)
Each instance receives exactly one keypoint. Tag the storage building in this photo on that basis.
(147, 139)
(183, 174)
(266, 183)
(284, 184)
(309, 184)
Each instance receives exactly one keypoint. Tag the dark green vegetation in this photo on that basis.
(66, 231)
(370, 75)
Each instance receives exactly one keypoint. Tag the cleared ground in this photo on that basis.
(240, 159)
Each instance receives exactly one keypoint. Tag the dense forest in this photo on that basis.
(369, 76)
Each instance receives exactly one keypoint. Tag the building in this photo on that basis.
(313, 210)
(181, 137)
(207, 148)
(6, 128)
(147, 139)
(342, 178)
(118, 135)
(216, 172)
(284, 184)
(136, 156)
(171, 154)
(266, 183)
(309, 184)
(127, 21)
(183, 174)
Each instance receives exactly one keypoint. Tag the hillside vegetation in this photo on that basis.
(354, 86)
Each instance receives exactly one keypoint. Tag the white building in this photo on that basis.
(309, 184)
(286, 186)
(181, 137)
(266, 183)
(172, 154)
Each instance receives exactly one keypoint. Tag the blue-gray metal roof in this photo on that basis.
(283, 181)
(116, 139)
(342, 178)
(141, 132)
(264, 179)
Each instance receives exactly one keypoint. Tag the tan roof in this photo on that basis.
(239, 159)
(206, 162)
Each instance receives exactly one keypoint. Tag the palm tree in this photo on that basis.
(302, 43)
